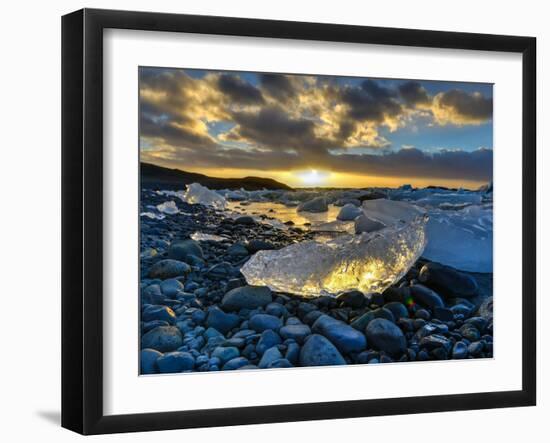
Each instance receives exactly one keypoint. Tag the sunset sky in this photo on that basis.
(307, 130)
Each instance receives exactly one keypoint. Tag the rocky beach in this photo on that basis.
(206, 305)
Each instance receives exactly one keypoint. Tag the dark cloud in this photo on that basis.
(273, 127)
(277, 86)
(446, 164)
(370, 102)
(239, 91)
(413, 93)
(472, 107)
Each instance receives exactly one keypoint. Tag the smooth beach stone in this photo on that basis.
(245, 220)
(460, 350)
(148, 361)
(221, 270)
(162, 338)
(171, 287)
(256, 245)
(443, 314)
(426, 297)
(147, 326)
(225, 353)
(175, 362)
(158, 312)
(448, 281)
(222, 321)
(319, 351)
(183, 249)
(246, 297)
(261, 322)
(480, 323)
(276, 309)
(168, 268)
(422, 314)
(293, 353)
(152, 294)
(268, 339)
(317, 204)
(436, 341)
(237, 250)
(269, 356)
(353, 299)
(360, 323)
(386, 336)
(237, 363)
(296, 332)
(343, 336)
(280, 363)
(469, 332)
(399, 310)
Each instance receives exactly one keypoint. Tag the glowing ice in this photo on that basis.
(369, 262)
(201, 236)
(198, 194)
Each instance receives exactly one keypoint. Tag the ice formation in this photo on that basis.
(152, 215)
(168, 208)
(198, 194)
(462, 239)
(369, 262)
(201, 236)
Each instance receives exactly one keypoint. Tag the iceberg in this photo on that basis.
(462, 239)
(369, 262)
(198, 194)
(168, 208)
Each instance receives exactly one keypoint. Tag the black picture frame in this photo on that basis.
(82, 216)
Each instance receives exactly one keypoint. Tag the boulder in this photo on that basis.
(448, 281)
(319, 351)
(343, 336)
(386, 336)
(163, 339)
(246, 297)
(168, 268)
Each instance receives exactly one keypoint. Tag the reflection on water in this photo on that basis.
(285, 213)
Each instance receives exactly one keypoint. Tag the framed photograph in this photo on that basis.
(269, 221)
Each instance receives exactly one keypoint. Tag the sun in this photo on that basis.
(313, 177)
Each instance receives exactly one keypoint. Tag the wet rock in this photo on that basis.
(171, 287)
(168, 268)
(148, 361)
(261, 322)
(386, 336)
(269, 356)
(343, 336)
(163, 339)
(221, 321)
(295, 332)
(225, 353)
(443, 314)
(426, 297)
(268, 339)
(182, 250)
(256, 245)
(175, 362)
(397, 309)
(353, 299)
(155, 312)
(448, 281)
(246, 297)
(236, 363)
(319, 351)
(245, 220)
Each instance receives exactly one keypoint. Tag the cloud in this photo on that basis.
(239, 91)
(461, 108)
(414, 94)
(290, 121)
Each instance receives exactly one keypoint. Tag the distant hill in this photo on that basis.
(154, 175)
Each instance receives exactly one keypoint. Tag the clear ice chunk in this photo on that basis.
(169, 208)
(369, 262)
(198, 194)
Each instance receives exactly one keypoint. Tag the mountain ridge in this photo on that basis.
(155, 175)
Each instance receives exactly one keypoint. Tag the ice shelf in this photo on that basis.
(369, 262)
